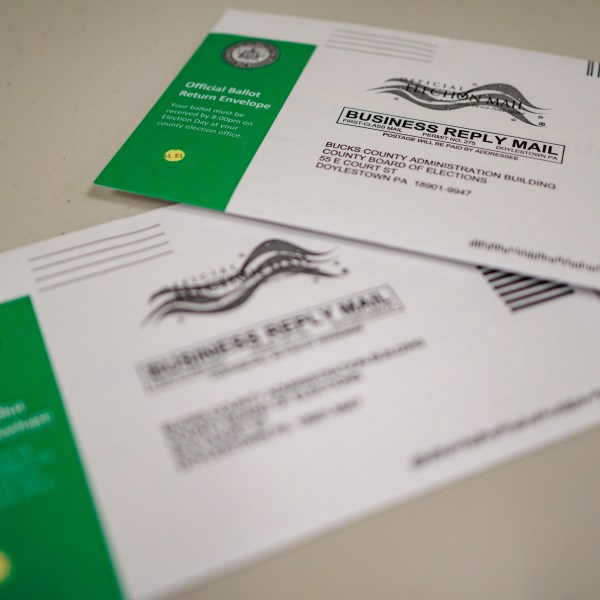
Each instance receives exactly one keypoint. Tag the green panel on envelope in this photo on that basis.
(196, 142)
(51, 543)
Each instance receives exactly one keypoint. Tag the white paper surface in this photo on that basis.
(232, 392)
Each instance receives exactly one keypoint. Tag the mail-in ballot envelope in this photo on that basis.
(185, 392)
(468, 151)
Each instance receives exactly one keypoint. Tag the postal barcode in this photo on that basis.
(519, 291)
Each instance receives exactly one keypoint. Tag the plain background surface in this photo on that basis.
(77, 76)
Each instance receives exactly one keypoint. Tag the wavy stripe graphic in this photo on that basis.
(269, 259)
(502, 96)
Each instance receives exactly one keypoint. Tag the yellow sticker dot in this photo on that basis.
(5, 567)
(174, 155)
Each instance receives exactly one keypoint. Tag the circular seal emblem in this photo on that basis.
(251, 54)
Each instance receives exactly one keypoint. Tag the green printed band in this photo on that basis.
(199, 138)
(51, 543)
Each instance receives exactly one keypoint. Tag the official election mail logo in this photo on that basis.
(250, 54)
(497, 96)
(268, 261)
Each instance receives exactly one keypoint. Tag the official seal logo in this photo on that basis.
(250, 54)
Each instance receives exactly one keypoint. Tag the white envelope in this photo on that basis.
(234, 388)
(468, 151)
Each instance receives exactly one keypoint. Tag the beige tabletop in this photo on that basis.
(77, 76)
